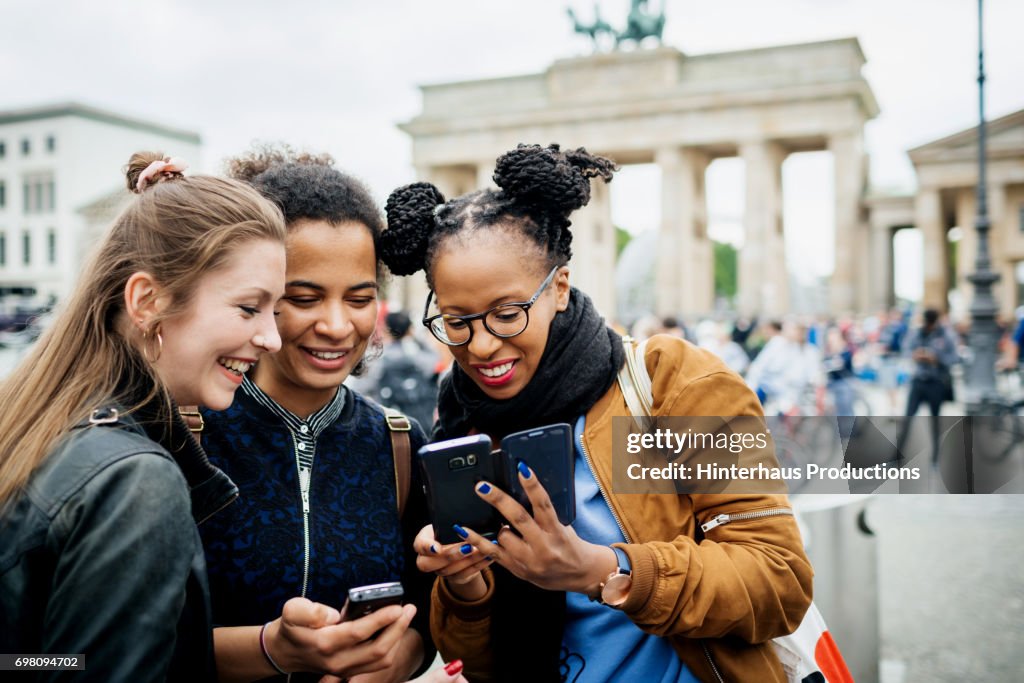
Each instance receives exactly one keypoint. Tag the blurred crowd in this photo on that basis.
(796, 364)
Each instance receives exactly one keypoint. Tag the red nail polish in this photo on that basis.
(453, 668)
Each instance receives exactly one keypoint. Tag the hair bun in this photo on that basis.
(545, 178)
(138, 163)
(410, 213)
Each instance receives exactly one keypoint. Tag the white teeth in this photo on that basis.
(328, 355)
(496, 371)
(239, 367)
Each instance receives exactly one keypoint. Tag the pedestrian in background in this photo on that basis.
(933, 349)
(405, 375)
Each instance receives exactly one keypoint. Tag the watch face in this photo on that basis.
(616, 589)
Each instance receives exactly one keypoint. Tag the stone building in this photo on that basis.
(680, 112)
(55, 160)
(947, 177)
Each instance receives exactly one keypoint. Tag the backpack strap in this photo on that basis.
(193, 420)
(401, 451)
(635, 383)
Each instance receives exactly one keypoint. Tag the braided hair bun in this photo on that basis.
(549, 180)
(410, 213)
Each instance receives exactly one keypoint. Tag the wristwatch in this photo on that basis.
(614, 590)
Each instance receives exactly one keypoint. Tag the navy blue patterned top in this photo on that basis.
(256, 547)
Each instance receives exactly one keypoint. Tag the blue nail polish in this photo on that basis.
(466, 549)
(484, 488)
(460, 531)
(523, 469)
(433, 548)
(494, 542)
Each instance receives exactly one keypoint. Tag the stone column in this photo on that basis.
(485, 175)
(453, 181)
(763, 279)
(852, 268)
(684, 278)
(593, 246)
(928, 217)
(882, 292)
(965, 208)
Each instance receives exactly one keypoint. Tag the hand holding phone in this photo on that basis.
(451, 469)
(364, 600)
(548, 452)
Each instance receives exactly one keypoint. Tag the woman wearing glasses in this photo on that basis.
(625, 592)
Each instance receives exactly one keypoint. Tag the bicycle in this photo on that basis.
(803, 432)
(1005, 426)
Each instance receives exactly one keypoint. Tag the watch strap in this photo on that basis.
(624, 565)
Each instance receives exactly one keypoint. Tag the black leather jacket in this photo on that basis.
(100, 556)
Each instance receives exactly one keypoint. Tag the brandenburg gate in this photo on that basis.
(680, 112)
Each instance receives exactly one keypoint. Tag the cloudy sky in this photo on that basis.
(338, 75)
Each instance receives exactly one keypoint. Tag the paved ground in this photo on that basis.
(951, 593)
(950, 581)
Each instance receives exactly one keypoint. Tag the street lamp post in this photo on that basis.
(984, 334)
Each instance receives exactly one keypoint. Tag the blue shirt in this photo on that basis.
(601, 643)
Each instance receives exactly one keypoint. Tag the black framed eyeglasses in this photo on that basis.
(503, 320)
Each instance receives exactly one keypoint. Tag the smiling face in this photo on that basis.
(327, 315)
(476, 271)
(225, 328)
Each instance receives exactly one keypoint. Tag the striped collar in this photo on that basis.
(314, 424)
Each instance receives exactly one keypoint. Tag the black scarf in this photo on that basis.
(580, 362)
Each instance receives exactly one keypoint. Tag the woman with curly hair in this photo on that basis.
(321, 489)
(627, 592)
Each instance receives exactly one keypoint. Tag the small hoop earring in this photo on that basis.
(159, 345)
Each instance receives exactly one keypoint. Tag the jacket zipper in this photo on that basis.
(305, 481)
(719, 520)
(707, 653)
(607, 501)
(615, 515)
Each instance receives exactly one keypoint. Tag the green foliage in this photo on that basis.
(622, 238)
(725, 269)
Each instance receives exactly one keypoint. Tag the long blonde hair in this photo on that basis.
(177, 230)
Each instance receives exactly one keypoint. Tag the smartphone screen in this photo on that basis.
(548, 452)
(451, 470)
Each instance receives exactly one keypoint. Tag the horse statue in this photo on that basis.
(595, 29)
(641, 24)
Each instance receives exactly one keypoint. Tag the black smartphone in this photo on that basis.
(451, 470)
(363, 600)
(548, 452)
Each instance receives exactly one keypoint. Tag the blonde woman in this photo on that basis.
(101, 484)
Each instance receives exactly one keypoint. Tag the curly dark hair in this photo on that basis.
(539, 187)
(306, 186)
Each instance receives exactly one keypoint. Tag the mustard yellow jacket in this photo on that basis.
(718, 601)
